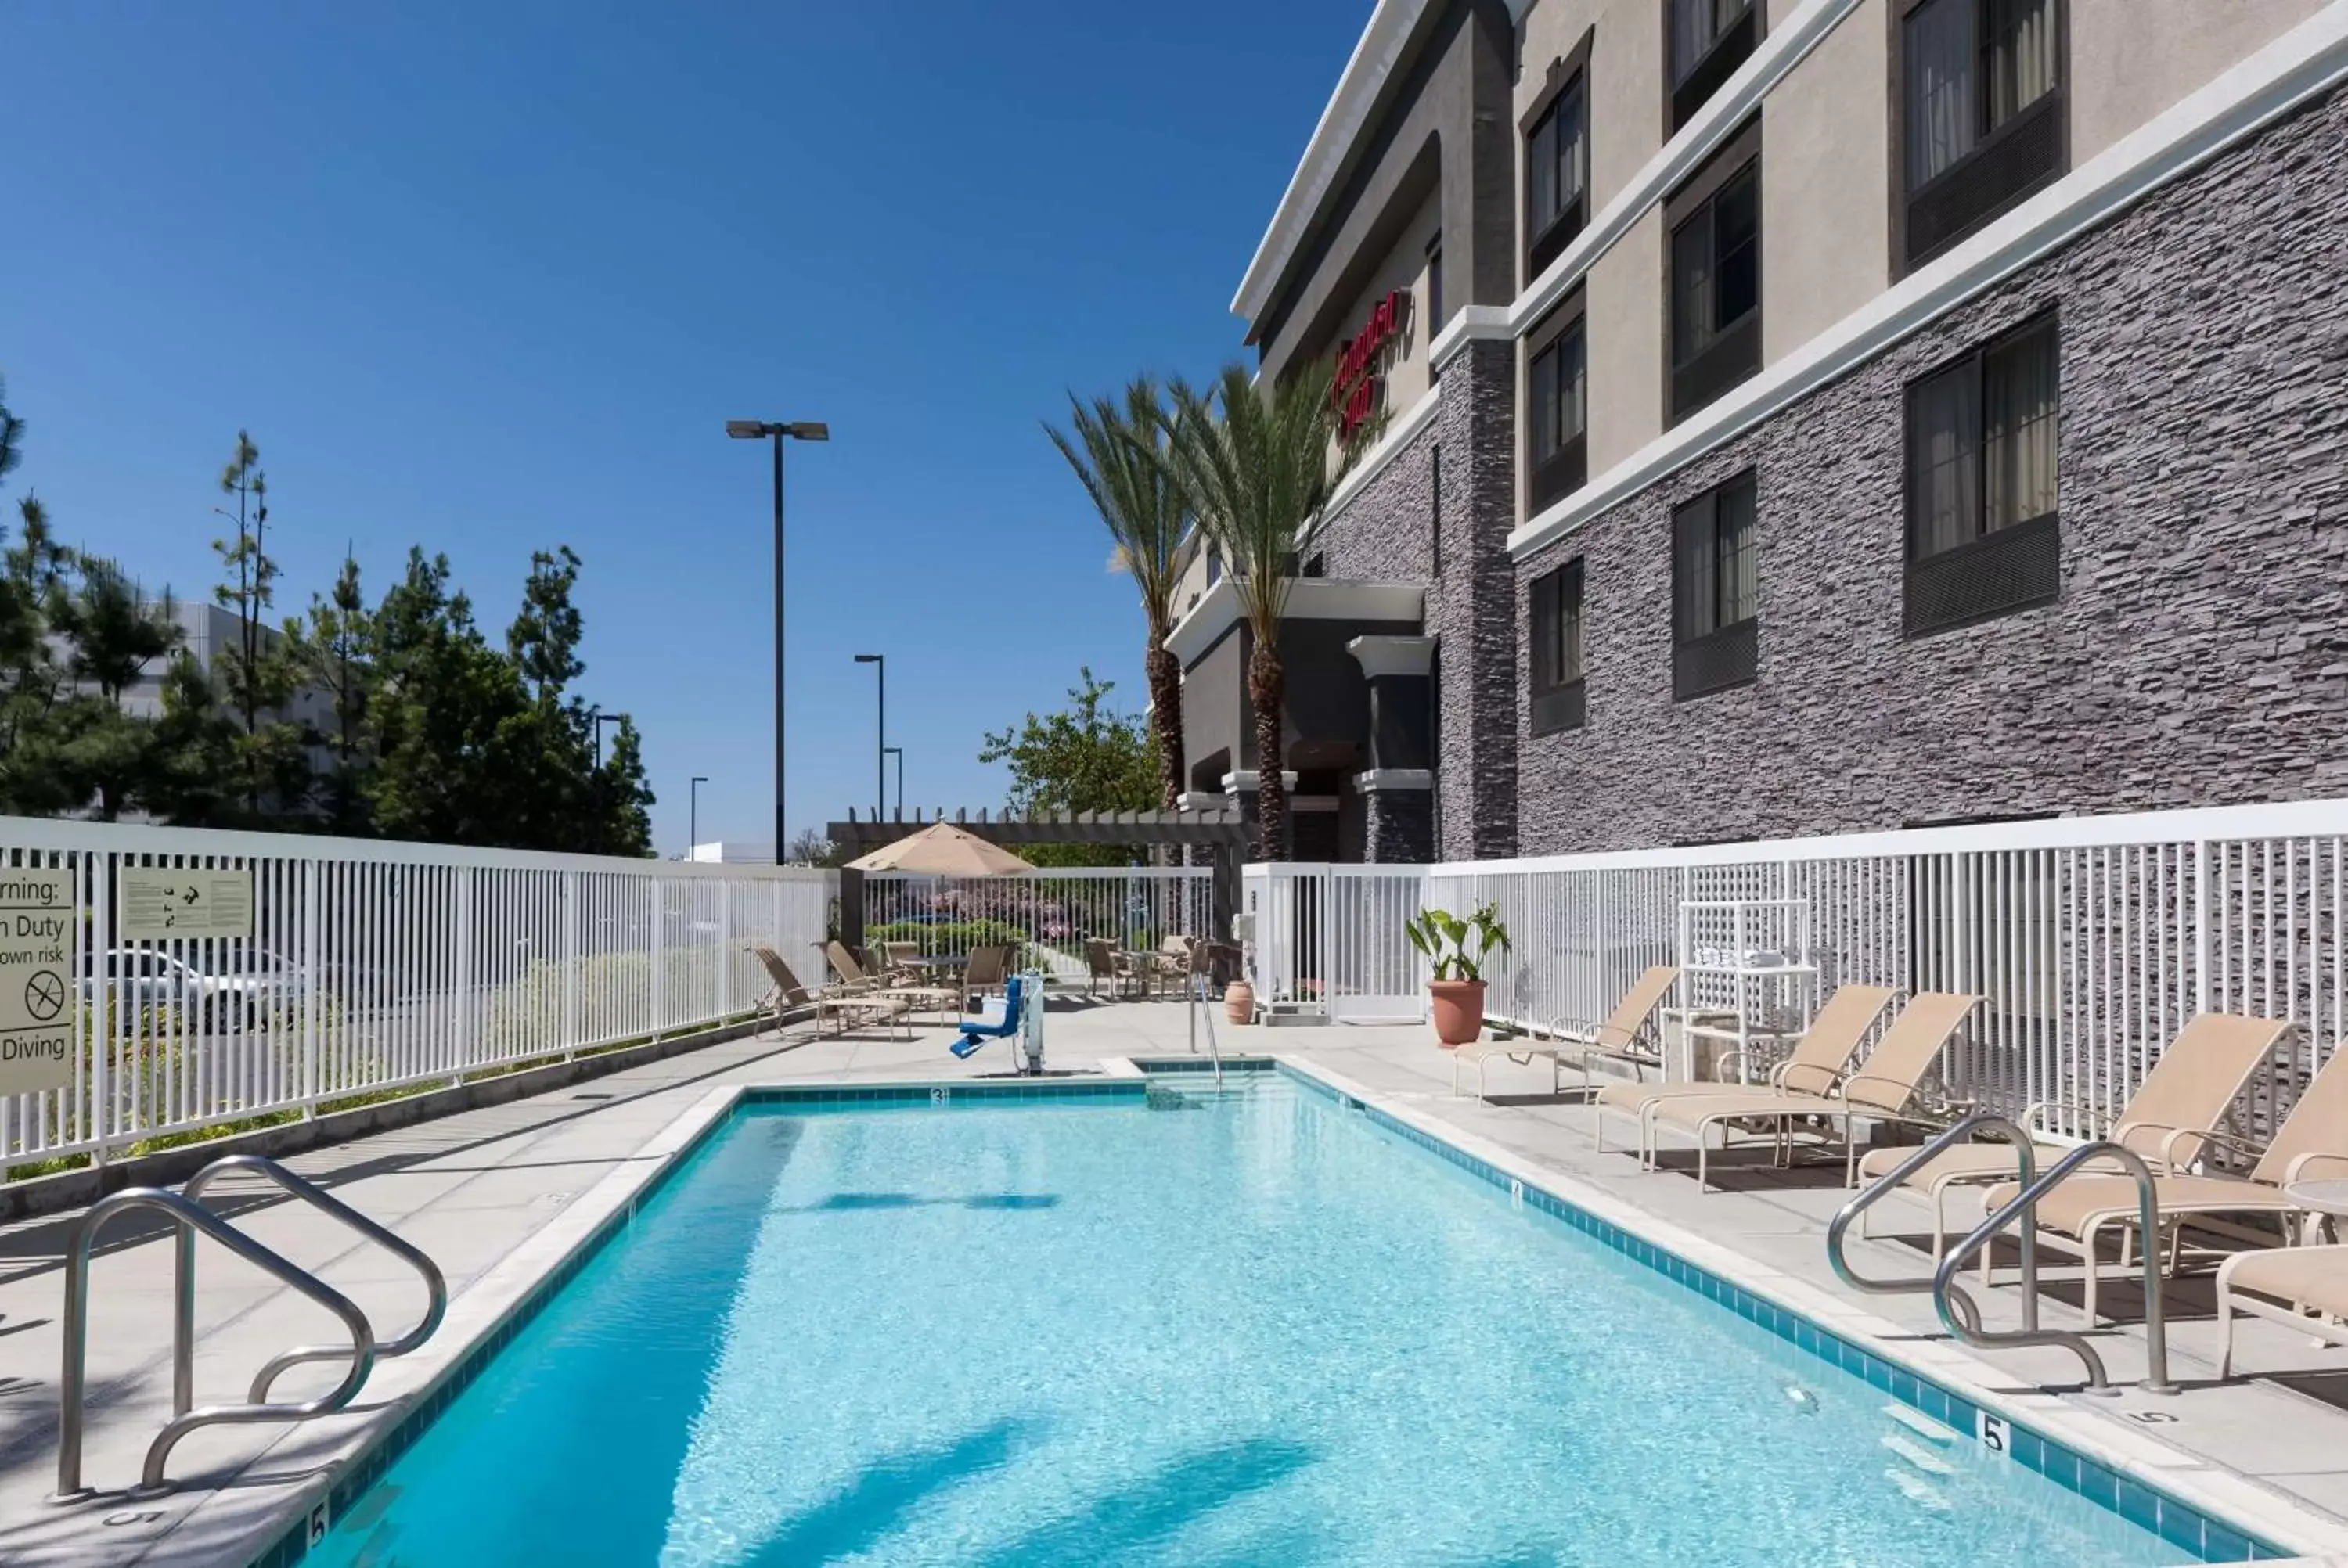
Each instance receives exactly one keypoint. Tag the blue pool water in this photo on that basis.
(1255, 1330)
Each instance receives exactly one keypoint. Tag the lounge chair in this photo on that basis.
(1884, 1089)
(1617, 1037)
(2302, 1280)
(849, 1007)
(1816, 1066)
(856, 982)
(2187, 1093)
(2311, 1141)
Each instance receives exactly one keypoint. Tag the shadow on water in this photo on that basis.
(1156, 1506)
(840, 1202)
(875, 1503)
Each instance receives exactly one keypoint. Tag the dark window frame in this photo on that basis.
(1685, 92)
(2006, 165)
(1567, 469)
(1718, 654)
(1996, 572)
(1569, 74)
(1434, 291)
(1555, 606)
(1732, 354)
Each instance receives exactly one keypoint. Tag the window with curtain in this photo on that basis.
(1556, 410)
(1979, 84)
(1717, 292)
(1554, 642)
(1716, 588)
(1710, 38)
(1557, 174)
(1982, 492)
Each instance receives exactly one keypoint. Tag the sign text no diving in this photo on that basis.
(37, 915)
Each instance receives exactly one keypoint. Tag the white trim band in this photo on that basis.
(2304, 63)
(1370, 780)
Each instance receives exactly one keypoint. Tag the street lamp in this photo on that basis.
(800, 430)
(602, 719)
(693, 816)
(880, 733)
(899, 752)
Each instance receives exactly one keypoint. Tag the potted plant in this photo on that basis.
(1458, 948)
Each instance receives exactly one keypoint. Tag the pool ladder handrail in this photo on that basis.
(1202, 1002)
(190, 1215)
(1960, 1132)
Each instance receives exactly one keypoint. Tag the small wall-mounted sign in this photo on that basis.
(159, 904)
(39, 914)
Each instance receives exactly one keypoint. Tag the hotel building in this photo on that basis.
(1807, 415)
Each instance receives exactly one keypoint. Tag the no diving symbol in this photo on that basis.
(44, 995)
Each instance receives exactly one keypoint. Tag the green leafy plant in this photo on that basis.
(1457, 948)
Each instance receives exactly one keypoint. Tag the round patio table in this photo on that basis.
(2328, 1197)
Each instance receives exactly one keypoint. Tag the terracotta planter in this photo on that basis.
(1458, 1010)
(1238, 1002)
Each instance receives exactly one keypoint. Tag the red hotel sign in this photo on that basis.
(1354, 392)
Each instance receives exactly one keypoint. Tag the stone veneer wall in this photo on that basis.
(1385, 535)
(2198, 654)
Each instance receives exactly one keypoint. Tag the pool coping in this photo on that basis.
(1940, 1376)
(405, 1396)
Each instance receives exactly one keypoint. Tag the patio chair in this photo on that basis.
(1885, 1087)
(1103, 962)
(2187, 1094)
(1617, 1037)
(1819, 1060)
(856, 982)
(2303, 1280)
(982, 973)
(2311, 1141)
(786, 993)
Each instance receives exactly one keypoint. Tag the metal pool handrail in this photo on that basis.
(191, 1216)
(1200, 1002)
(1961, 1133)
(1963, 1322)
(436, 1286)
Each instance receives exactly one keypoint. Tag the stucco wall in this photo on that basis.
(1626, 342)
(1825, 163)
(1401, 371)
(2198, 654)
(1626, 65)
(2130, 59)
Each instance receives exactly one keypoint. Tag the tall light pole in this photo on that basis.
(800, 430)
(693, 816)
(880, 734)
(899, 752)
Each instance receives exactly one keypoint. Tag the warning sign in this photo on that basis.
(158, 904)
(37, 920)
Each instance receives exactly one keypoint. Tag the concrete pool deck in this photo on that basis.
(497, 1195)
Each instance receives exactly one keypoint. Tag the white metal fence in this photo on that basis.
(2093, 938)
(1050, 913)
(373, 967)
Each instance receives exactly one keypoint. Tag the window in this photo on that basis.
(1556, 650)
(1433, 287)
(1715, 277)
(1557, 169)
(1982, 534)
(1709, 40)
(1716, 589)
(1981, 115)
(1556, 405)
(1315, 565)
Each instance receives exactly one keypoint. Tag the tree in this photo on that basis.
(33, 578)
(812, 849)
(1086, 757)
(1117, 455)
(12, 433)
(1258, 468)
(263, 671)
(111, 634)
(335, 649)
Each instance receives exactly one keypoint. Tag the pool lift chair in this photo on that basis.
(1023, 1024)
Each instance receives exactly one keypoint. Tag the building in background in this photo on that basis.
(1809, 415)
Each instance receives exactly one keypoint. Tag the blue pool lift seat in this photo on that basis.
(975, 1035)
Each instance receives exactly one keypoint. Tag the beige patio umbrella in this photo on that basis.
(943, 850)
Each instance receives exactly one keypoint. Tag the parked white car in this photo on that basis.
(241, 988)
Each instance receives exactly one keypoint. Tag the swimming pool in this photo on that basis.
(1185, 1327)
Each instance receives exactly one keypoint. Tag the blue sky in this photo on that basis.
(491, 278)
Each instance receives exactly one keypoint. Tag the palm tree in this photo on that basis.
(1116, 455)
(1258, 470)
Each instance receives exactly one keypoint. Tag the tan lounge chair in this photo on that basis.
(2313, 1140)
(1103, 962)
(854, 981)
(849, 1008)
(982, 973)
(1617, 1037)
(1815, 1067)
(1884, 1089)
(2187, 1093)
(2302, 1280)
